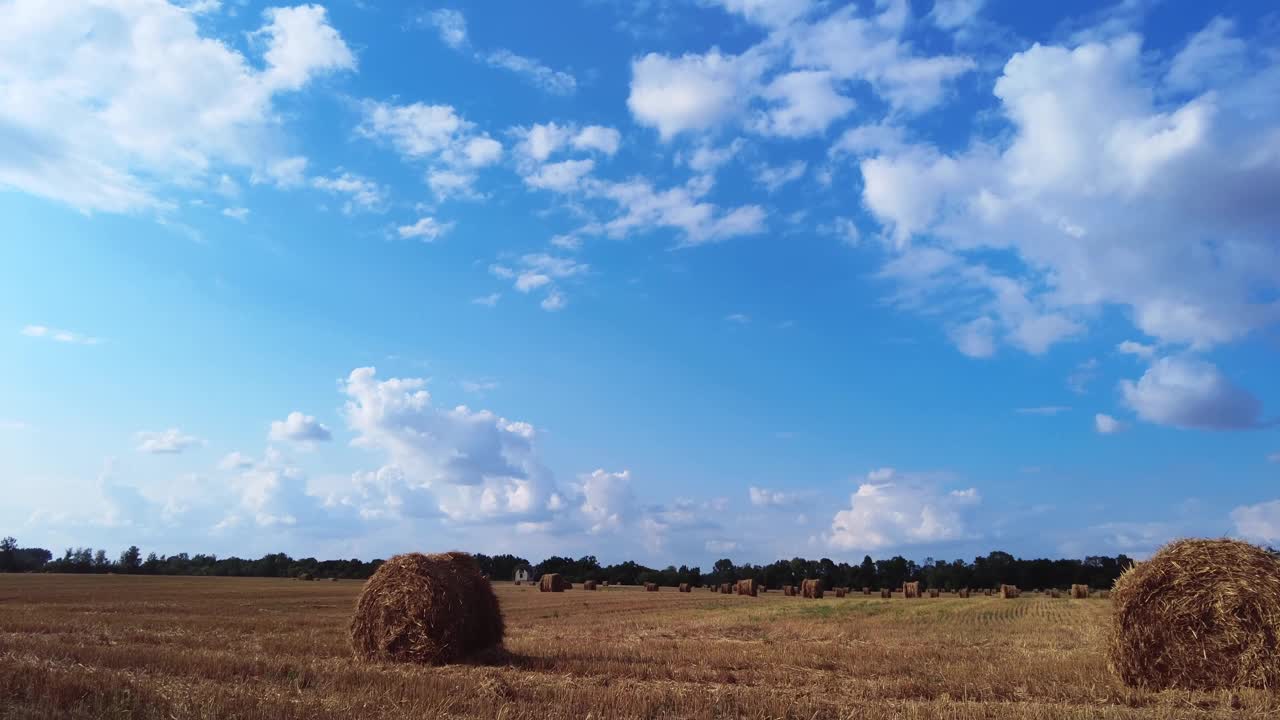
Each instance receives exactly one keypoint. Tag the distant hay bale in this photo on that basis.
(788, 590)
(426, 609)
(812, 589)
(1009, 591)
(911, 589)
(746, 587)
(963, 592)
(1055, 593)
(1079, 592)
(885, 593)
(866, 590)
(333, 579)
(306, 576)
(726, 588)
(604, 584)
(933, 592)
(552, 582)
(589, 585)
(840, 592)
(684, 587)
(987, 592)
(651, 587)
(1199, 614)
(518, 582)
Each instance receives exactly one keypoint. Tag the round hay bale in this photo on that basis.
(1079, 591)
(426, 609)
(306, 576)
(1200, 614)
(651, 587)
(684, 587)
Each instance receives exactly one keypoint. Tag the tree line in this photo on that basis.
(991, 570)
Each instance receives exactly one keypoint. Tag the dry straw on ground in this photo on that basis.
(426, 609)
(812, 589)
(1200, 614)
(1079, 592)
(911, 590)
(552, 582)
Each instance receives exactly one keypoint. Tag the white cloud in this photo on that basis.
(110, 120)
(645, 208)
(598, 138)
(451, 26)
(1106, 425)
(1212, 56)
(236, 213)
(773, 178)
(738, 318)
(955, 14)
(489, 300)
(975, 338)
(471, 465)
(362, 194)
(165, 442)
(562, 177)
(607, 500)
(437, 135)
(801, 103)
(892, 510)
(1260, 522)
(769, 13)
(1101, 196)
(426, 229)
(299, 428)
(691, 92)
(61, 336)
(764, 497)
(555, 300)
(1129, 347)
(541, 271)
(235, 460)
(1187, 392)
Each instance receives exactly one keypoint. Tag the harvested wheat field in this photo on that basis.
(155, 647)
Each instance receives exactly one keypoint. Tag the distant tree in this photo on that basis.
(8, 555)
(131, 560)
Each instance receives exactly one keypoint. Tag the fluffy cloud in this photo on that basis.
(891, 509)
(299, 428)
(362, 194)
(110, 103)
(471, 465)
(774, 177)
(437, 135)
(763, 497)
(955, 14)
(1129, 347)
(235, 460)
(165, 442)
(1106, 425)
(691, 92)
(1187, 392)
(541, 271)
(1260, 523)
(607, 500)
(1108, 192)
(426, 229)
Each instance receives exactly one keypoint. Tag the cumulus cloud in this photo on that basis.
(109, 120)
(890, 509)
(1186, 392)
(450, 145)
(541, 271)
(607, 500)
(165, 442)
(1108, 192)
(426, 229)
(1129, 347)
(362, 194)
(299, 428)
(690, 92)
(1106, 425)
(235, 460)
(1260, 523)
(472, 464)
(764, 497)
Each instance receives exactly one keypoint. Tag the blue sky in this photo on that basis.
(668, 281)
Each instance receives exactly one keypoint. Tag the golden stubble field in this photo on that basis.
(152, 647)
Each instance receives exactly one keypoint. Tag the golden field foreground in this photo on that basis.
(160, 647)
